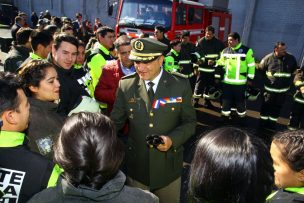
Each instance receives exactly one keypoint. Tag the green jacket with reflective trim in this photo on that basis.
(238, 64)
(299, 83)
(171, 61)
(23, 173)
(97, 62)
(287, 195)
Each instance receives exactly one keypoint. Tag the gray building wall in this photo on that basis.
(273, 20)
(90, 9)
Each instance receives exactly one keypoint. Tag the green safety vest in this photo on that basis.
(14, 139)
(171, 61)
(238, 63)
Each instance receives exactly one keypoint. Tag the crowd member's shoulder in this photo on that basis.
(129, 77)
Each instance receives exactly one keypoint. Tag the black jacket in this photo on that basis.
(16, 56)
(114, 191)
(23, 173)
(44, 127)
(284, 196)
(71, 91)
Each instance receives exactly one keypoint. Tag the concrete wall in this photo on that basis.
(273, 20)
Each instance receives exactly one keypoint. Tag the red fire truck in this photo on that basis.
(136, 17)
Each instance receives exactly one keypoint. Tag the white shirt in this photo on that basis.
(155, 81)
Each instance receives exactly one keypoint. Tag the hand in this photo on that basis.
(210, 62)
(249, 83)
(167, 144)
(302, 89)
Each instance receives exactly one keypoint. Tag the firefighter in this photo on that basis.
(297, 112)
(172, 58)
(208, 51)
(187, 47)
(277, 67)
(238, 70)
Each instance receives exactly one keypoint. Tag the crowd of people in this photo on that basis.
(90, 116)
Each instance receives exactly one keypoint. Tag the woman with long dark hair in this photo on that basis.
(90, 154)
(230, 166)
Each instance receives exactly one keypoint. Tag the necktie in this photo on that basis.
(150, 91)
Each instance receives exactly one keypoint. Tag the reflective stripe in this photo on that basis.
(54, 176)
(197, 55)
(226, 113)
(264, 117)
(279, 75)
(299, 100)
(276, 90)
(234, 55)
(271, 195)
(184, 62)
(251, 64)
(217, 76)
(241, 114)
(196, 96)
(208, 70)
(211, 56)
(251, 76)
(206, 96)
(273, 119)
(235, 80)
(182, 75)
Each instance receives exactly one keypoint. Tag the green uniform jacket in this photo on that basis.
(239, 64)
(177, 120)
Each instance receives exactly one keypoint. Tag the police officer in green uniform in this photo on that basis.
(155, 103)
(23, 173)
(238, 70)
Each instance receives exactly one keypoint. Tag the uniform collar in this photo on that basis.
(299, 190)
(102, 48)
(237, 46)
(35, 56)
(11, 139)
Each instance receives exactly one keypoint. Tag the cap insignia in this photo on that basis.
(139, 45)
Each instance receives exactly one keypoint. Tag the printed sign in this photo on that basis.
(10, 184)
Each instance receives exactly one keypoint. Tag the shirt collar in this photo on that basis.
(11, 139)
(127, 71)
(155, 80)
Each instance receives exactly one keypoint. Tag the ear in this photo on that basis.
(9, 117)
(33, 89)
(53, 50)
(300, 175)
(161, 60)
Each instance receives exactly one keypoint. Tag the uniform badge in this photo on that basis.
(45, 145)
(139, 45)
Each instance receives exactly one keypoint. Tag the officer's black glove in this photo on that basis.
(154, 140)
